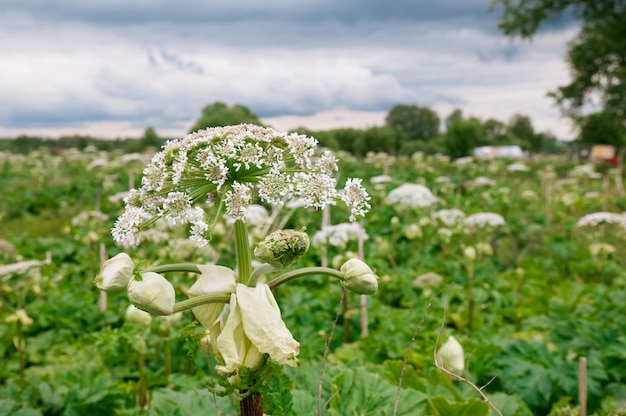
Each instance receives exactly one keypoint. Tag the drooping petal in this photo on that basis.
(213, 279)
(233, 345)
(263, 324)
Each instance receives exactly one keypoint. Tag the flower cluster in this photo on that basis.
(598, 218)
(231, 167)
(449, 217)
(484, 219)
(339, 235)
(411, 195)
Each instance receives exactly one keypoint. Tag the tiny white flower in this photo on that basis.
(355, 197)
(237, 200)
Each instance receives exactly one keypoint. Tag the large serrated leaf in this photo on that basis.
(440, 406)
(363, 393)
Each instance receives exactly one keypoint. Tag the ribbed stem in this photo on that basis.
(258, 272)
(176, 267)
(252, 405)
(201, 300)
(307, 271)
(242, 250)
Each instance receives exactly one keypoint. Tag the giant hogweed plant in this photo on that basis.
(194, 181)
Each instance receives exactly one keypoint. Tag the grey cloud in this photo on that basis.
(116, 12)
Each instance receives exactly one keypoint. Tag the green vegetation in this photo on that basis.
(526, 300)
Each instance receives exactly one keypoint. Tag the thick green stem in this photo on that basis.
(201, 300)
(167, 354)
(470, 298)
(142, 394)
(307, 271)
(242, 250)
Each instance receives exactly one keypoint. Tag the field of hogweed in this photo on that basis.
(262, 275)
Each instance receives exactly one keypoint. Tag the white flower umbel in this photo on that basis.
(484, 220)
(254, 327)
(597, 218)
(450, 217)
(339, 235)
(235, 166)
(411, 195)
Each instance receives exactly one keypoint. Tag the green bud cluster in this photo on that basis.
(283, 248)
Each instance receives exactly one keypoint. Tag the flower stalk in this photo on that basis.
(242, 250)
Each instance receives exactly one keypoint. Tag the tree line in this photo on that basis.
(408, 128)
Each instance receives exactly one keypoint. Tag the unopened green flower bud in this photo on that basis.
(138, 317)
(153, 294)
(451, 356)
(484, 249)
(20, 316)
(164, 325)
(115, 274)
(283, 248)
(412, 231)
(601, 249)
(358, 277)
(470, 253)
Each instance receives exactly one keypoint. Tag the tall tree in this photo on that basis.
(602, 128)
(151, 138)
(495, 132)
(455, 115)
(462, 136)
(521, 128)
(219, 114)
(416, 123)
(596, 56)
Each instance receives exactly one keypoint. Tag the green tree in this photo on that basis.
(596, 56)
(602, 128)
(376, 139)
(495, 132)
(463, 136)
(219, 114)
(521, 129)
(416, 123)
(455, 115)
(150, 138)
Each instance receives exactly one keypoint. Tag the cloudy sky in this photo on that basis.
(111, 68)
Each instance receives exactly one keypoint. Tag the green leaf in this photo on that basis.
(440, 406)
(363, 393)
